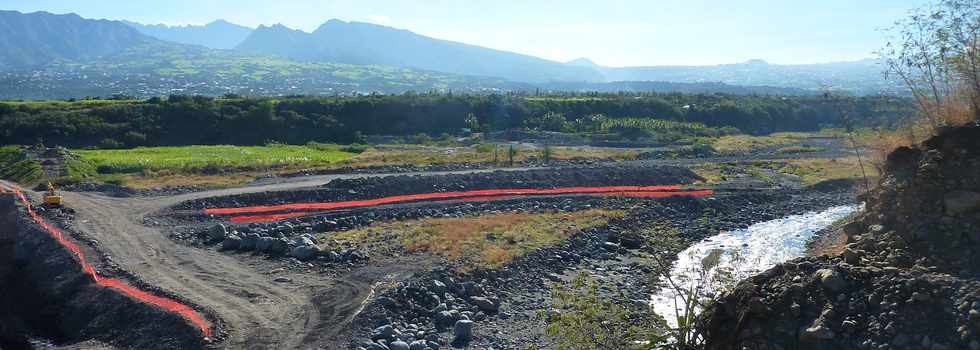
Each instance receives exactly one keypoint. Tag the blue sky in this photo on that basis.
(610, 32)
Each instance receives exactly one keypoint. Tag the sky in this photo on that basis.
(609, 32)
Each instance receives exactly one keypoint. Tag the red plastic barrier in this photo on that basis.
(438, 195)
(166, 303)
(350, 204)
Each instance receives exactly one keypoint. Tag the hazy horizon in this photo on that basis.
(620, 33)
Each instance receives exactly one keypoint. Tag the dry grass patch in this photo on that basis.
(811, 170)
(478, 241)
(746, 143)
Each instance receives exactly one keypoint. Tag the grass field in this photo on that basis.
(211, 159)
(479, 241)
(232, 165)
(199, 165)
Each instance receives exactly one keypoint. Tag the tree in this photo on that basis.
(936, 55)
(472, 123)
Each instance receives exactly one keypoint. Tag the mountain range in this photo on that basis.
(366, 43)
(345, 55)
(219, 34)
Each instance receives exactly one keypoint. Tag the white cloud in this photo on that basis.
(381, 19)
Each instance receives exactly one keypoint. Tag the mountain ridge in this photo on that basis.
(38, 38)
(366, 43)
(217, 34)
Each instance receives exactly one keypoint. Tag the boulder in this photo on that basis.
(218, 232)
(462, 331)
(231, 243)
(263, 244)
(249, 242)
(417, 345)
(850, 255)
(816, 333)
(961, 202)
(383, 332)
(279, 246)
(444, 319)
(830, 279)
(438, 287)
(485, 305)
(305, 253)
(398, 345)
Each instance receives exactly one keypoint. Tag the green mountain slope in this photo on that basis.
(35, 39)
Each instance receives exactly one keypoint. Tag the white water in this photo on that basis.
(740, 253)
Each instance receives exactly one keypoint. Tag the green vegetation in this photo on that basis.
(209, 159)
(191, 120)
(485, 241)
(814, 170)
(746, 143)
(15, 166)
(586, 320)
(219, 165)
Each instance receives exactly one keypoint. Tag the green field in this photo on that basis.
(212, 159)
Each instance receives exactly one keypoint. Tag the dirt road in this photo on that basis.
(256, 312)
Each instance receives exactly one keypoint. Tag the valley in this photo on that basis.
(507, 175)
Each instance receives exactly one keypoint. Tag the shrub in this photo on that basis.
(485, 147)
(420, 139)
(109, 143)
(355, 148)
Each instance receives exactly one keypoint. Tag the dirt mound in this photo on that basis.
(374, 187)
(909, 277)
(46, 294)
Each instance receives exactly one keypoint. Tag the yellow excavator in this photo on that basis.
(52, 199)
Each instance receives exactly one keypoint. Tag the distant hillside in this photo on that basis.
(44, 55)
(219, 34)
(162, 68)
(365, 43)
(862, 77)
(38, 38)
(279, 40)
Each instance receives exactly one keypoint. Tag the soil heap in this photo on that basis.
(909, 278)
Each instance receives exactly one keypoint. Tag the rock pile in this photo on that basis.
(429, 308)
(303, 247)
(375, 187)
(909, 278)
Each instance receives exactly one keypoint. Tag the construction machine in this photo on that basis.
(52, 199)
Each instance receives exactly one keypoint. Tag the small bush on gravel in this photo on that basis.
(582, 319)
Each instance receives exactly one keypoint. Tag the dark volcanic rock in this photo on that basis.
(374, 187)
(909, 279)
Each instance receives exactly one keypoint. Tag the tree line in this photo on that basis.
(183, 120)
